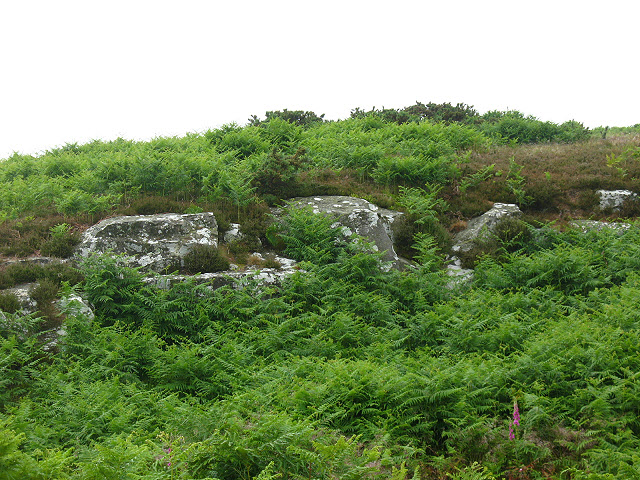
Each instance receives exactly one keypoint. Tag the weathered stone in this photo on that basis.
(614, 199)
(23, 294)
(235, 235)
(155, 242)
(358, 216)
(588, 225)
(265, 276)
(482, 226)
(33, 261)
(75, 305)
(459, 274)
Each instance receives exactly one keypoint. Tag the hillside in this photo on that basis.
(346, 369)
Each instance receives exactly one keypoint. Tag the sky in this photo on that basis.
(75, 71)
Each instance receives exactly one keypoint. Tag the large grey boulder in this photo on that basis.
(482, 226)
(358, 216)
(154, 242)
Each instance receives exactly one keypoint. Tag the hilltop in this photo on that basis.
(347, 368)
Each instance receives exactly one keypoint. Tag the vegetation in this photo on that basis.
(347, 369)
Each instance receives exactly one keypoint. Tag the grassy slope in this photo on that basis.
(172, 384)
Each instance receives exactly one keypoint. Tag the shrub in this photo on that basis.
(9, 303)
(62, 272)
(270, 261)
(205, 259)
(44, 293)
(435, 112)
(297, 117)
(28, 272)
(512, 233)
(277, 174)
(24, 272)
(406, 227)
(62, 242)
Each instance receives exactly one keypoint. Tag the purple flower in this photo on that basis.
(516, 414)
(512, 436)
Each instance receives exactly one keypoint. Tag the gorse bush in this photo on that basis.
(298, 117)
(442, 112)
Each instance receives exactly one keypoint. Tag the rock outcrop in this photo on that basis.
(358, 216)
(588, 225)
(482, 226)
(263, 275)
(154, 242)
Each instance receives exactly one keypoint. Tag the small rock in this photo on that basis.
(74, 305)
(266, 276)
(482, 226)
(614, 199)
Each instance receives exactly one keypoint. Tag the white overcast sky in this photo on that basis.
(74, 71)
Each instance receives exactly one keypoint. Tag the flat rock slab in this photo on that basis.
(588, 225)
(358, 216)
(36, 260)
(154, 242)
(264, 276)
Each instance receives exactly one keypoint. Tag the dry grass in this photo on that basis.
(561, 179)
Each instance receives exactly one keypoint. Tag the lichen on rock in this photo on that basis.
(482, 226)
(154, 242)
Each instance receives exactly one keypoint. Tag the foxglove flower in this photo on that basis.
(516, 414)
